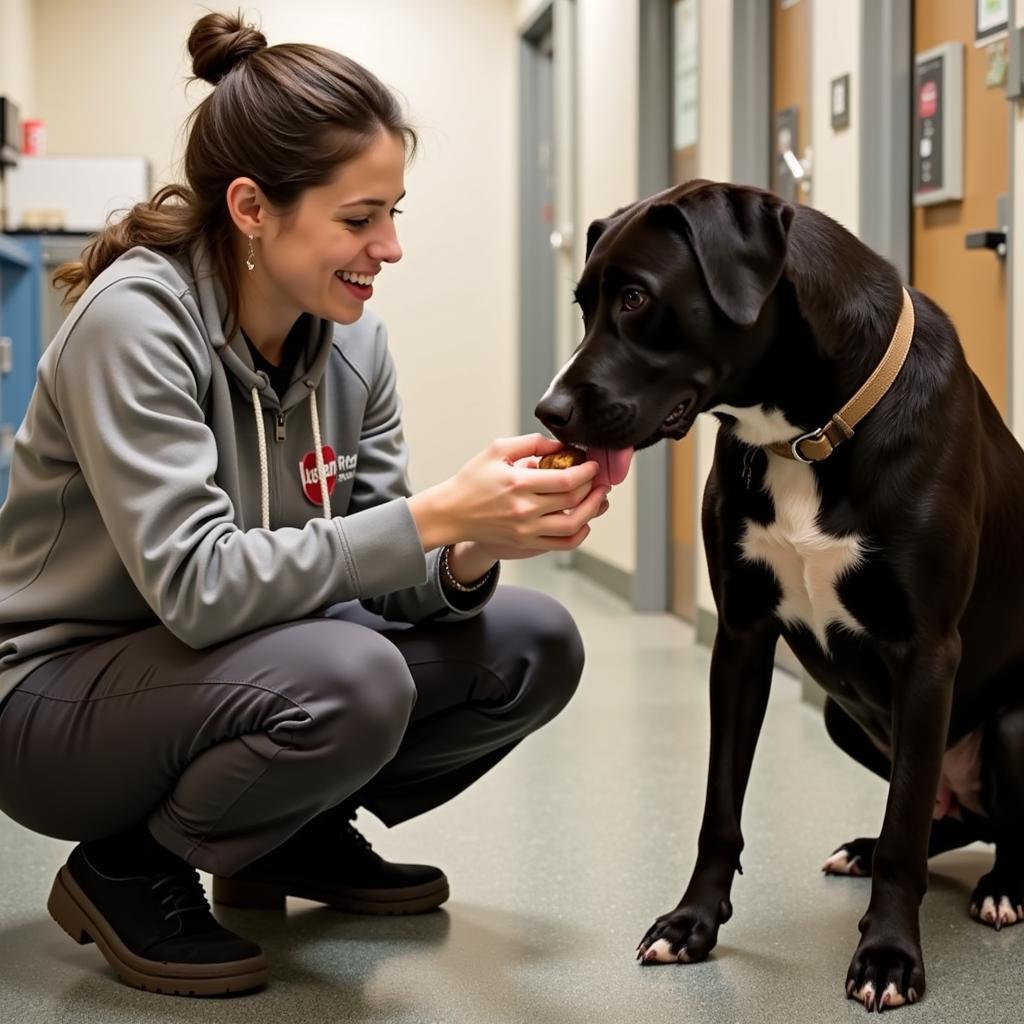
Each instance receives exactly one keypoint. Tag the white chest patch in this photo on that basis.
(808, 563)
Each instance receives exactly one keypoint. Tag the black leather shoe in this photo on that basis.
(336, 866)
(155, 929)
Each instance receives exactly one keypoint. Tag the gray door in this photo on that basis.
(537, 360)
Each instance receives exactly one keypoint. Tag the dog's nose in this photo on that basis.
(554, 410)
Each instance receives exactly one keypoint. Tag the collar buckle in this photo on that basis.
(812, 435)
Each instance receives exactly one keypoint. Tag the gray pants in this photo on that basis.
(228, 751)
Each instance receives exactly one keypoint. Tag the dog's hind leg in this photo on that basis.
(854, 857)
(998, 899)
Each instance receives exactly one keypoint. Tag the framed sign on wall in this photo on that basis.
(990, 19)
(938, 124)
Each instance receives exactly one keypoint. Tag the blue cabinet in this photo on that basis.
(19, 340)
(31, 312)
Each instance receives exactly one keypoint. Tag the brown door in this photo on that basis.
(685, 531)
(969, 284)
(791, 96)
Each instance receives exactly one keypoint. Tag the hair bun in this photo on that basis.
(218, 42)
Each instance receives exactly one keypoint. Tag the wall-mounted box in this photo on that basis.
(939, 124)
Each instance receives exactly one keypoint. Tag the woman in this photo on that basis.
(224, 622)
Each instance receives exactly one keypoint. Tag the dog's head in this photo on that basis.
(676, 296)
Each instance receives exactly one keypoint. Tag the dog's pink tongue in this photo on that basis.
(613, 465)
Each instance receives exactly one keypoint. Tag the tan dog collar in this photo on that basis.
(821, 443)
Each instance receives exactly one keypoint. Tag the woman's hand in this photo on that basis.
(510, 508)
(500, 553)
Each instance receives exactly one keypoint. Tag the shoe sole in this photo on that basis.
(232, 892)
(79, 917)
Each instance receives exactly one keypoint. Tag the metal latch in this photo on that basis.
(994, 238)
(987, 240)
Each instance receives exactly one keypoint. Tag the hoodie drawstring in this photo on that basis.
(264, 473)
(325, 498)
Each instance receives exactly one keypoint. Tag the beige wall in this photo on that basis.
(16, 19)
(450, 304)
(527, 10)
(836, 43)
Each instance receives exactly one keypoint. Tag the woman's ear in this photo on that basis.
(247, 206)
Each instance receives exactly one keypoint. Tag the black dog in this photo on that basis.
(891, 566)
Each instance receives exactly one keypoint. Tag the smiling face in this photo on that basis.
(322, 256)
(673, 301)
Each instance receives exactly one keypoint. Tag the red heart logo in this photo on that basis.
(309, 473)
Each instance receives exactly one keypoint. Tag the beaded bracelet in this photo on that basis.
(452, 582)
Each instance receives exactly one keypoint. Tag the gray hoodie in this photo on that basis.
(158, 477)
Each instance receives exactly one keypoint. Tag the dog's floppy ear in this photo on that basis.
(594, 232)
(599, 227)
(739, 236)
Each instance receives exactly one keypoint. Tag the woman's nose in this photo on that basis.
(386, 248)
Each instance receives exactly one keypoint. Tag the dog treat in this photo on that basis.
(563, 459)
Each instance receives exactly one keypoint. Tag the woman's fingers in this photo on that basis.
(556, 481)
(560, 524)
(562, 502)
(563, 529)
(565, 543)
(514, 448)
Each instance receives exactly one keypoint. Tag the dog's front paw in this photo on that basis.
(852, 858)
(685, 935)
(997, 901)
(885, 974)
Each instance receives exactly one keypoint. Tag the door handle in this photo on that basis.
(800, 172)
(561, 238)
(792, 161)
(994, 240)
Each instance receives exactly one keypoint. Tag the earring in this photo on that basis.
(250, 260)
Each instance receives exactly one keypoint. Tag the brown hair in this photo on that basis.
(287, 116)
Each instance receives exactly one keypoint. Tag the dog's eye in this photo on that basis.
(633, 298)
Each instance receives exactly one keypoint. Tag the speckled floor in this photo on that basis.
(559, 860)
